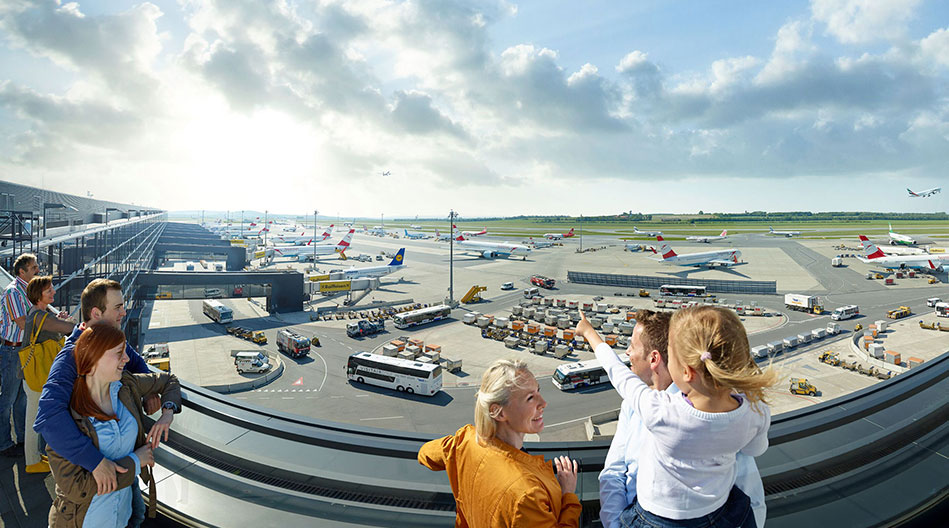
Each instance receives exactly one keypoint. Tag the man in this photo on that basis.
(15, 306)
(648, 356)
(101, 301)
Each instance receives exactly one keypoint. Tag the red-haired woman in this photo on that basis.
(106, 405)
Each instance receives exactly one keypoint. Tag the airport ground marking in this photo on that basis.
(380, 418)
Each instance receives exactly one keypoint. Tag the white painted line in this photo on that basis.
(325, 370)
(362, 395)
(286, 398)
(334, 397)
(381, 418)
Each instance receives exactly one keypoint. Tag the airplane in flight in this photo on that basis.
(471, 234)
(386, 173)
(414, 236)
(875, 256)
(707, 239)
(378, 271)
(647, 233)
(898, 239)
(558, 236)
(490, 250)
(304, 253)
(706, 259)
(924, 194)
(788, 234)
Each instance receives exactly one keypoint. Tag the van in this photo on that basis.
(249, 356)
(845, 312)
(213, 293)
(251, 366)
(531, 292)
(507, 286)
(933, 302)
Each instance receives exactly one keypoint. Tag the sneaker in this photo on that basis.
(15, 450)
(39, 467)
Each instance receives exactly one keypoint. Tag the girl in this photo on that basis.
(687, 463)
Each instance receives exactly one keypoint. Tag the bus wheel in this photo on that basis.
(360, 380)
(240, 371)
(400, 388)
(410, 390)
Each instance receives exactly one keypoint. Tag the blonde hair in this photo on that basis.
(728, 365)
(496, 385)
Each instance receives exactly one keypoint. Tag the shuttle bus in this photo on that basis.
(422, 316)
(942, 309)
(403, 375)
(683, 291)
(581, 374)
(217, 311)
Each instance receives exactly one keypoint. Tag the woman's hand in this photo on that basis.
(566, 474)
(145, 455)
(161, 426)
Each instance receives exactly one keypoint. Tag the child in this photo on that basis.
(687, 462)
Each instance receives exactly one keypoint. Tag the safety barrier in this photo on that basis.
(647, 281)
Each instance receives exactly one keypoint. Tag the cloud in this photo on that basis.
(862, 21)
(415, 113)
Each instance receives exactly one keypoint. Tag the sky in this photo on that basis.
(490, 108)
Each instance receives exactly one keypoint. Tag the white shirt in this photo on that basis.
(688, 457)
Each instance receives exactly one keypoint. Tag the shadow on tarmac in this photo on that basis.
(441, 398)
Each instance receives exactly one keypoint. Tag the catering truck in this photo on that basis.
(803, 303)
(292, 344)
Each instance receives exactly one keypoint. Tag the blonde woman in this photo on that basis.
(495, 482)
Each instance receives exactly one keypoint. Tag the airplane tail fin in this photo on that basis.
(460, 238)
(724, 233)
(344, 243)
(911, 193)
(664, 249)
(770, 229)
(398, 258)
(872, 251)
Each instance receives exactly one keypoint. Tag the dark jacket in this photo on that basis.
(75, 486)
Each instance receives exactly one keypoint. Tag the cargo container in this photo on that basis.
(608, 327)
(568, 335)
(517, 310)
(790, 342)
(511, 342)
(470, 317)
(596, 322)
(914, 362)
(572, 305)
(804, 338)
(625, 328)
(876, 350)
(881, 325)
(533, 328)
(517, 325)
(760, 351)
(775, 347)
(414, 350)
(540, 347)
(889, 281)
(564, 322)
(399, 345)
(833, 329)
(610, 339)
(561, 351)
(819, 333)
(891, 357)
(550, 331)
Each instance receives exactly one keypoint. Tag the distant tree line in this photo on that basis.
(718, 218)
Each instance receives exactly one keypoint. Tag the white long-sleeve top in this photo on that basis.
(687, 462)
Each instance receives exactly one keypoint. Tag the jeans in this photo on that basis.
(736, 512)
(138, 506)
(12, 398)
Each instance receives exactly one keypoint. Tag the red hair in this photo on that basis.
(92, 344)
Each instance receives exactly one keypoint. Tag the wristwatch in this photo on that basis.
(170, 405)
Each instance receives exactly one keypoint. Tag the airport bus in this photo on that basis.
(942, 309)
(217, 311)
(422, 316)
(581, 374)
(403, 375)
(683, 291)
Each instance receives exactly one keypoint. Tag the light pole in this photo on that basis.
(581, 233)
(48, 205)
(315, 212)
(451, 258)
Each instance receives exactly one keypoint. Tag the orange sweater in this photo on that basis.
(498, 486)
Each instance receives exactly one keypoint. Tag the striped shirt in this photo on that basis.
(15, 305)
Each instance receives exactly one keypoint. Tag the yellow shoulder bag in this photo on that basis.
(37, 358)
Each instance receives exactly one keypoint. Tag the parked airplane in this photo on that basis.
(469, 234)
(376, 231)
(924, 194)
(303, 239)
(771, 231)
(307, 252)
(492, 250)
(558, 236)
(413, 226)
(414, 236)
(647, 233)
(441, 237)
(904, 240)
(707, 239)
(875, 256)
(903, 250)
(539, 244)
(705, 259)
(377, 271)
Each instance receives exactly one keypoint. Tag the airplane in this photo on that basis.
(413, 226)
(307, 252)
(647, 233)
(875, 256)
(303, 239)
(705, 259)
(470, 234)
(386, 173)
(904, 240)
(902, 250)
(490, 250)
(377, 271)
(539, 244)
(924, 194)
(375, 231)
(441, 237)
(558, 236)
(707, 239)
(414, 236)
(788, 234)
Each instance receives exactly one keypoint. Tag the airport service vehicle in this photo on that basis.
(507, 286)
(160, 363)
(258, 336)
(705, 259)
(875, 256)
(707, 239)
(363, 328)
(683, 291)
(158, 350)
(304, 253)
(530, 293)
(643, 292)
(377, 271)
(581, 374)
(543, 282)
(248, 364)
(217, 311)
(831, 358)
(292, 343)
(647, 233)
(559, 236)
(421, 316)
(933, 301)
(899, 313)
(403, 375)
(788, 234)
(490, 250)
(837, 262)
(163, 295)
(802, 386)
(538, 244)
(941, 309)
(213, 293)
(896, 238)
(845, 312)
(803, 303)
(923, 194)
(833, 329)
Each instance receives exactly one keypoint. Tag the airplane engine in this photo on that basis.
(488, 254)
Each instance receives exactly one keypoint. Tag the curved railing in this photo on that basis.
(875, 457)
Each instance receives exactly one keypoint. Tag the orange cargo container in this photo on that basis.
(610, 339)
(490, 318)
(517, 325)
(630, 315)
(568, 335)
(891, 357)
(550, 331)
(433, 348)
(533, 328)
(417, 342)
(398, 344)
(914, 362)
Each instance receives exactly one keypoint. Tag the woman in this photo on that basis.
(106, 405)
(495, 482)
(40, 292)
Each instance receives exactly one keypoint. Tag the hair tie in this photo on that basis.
(706, 356)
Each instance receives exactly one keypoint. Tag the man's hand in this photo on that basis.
(145, 455)
(161, 426)
(566, 474)
(104, 474)
(152, 404)
(584, 327)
